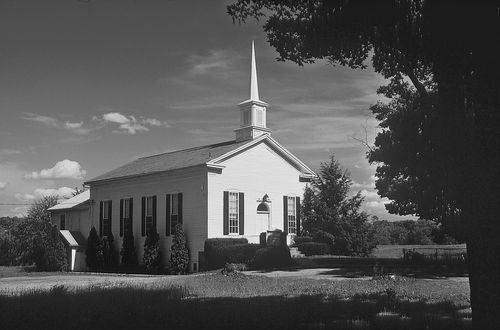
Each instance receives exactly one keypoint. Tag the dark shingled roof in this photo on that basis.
(171, 160)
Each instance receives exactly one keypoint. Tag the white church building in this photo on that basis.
(237, 188)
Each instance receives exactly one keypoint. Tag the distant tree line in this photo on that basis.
(406, 232)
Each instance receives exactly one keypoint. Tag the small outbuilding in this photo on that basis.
(72, 217)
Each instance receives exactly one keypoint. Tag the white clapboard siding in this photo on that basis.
(255, 172)
(191, 182)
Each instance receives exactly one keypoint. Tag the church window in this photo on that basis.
(174, 212)
(259, 117)
(105, 218)
(233, 213)
(292, 216)
(62, 222)
(149, 213)
(246, 117)
(126, 216)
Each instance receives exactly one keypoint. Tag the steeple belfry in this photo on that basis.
(252, 111)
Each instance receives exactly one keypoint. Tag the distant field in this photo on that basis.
(396, 251)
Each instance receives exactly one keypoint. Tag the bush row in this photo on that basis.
(314, 248)
(222, 251)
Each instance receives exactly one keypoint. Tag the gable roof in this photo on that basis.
(73, 202)
(212, 155)
(170, 160)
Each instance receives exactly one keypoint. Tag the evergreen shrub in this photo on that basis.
(94, 252)
(271, 257)
(213, 250)
(314, 248)
(152, 257)
(302, 239)
(127, 252)
(179, 253)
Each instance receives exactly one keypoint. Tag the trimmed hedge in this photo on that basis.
(270, 257)
(302, 239)
(239, 253)
(214, 255)
(314, 248)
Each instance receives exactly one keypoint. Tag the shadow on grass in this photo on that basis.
(358, 271)
(174, 308)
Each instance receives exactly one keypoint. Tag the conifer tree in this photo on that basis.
(179, 255)
(128, 253)
(152, 257)
(94, 252)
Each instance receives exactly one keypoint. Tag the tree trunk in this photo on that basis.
(482, 212)
(483, 251)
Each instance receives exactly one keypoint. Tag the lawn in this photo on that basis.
(215, 301)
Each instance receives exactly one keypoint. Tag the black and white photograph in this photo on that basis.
(249, 164)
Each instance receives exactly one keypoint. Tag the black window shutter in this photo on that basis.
(121, 217)
(101, 208)
(143, 217)
(154, 213)
(241, 200)
(130, 216)
(179, 207)
(226, 213)
(110, 217)
(167, 222)
(297, 205)
(285, 214)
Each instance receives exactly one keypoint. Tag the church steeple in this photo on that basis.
(252, 111)
(254, 86)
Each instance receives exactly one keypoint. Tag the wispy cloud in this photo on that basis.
(76, 128)
(62, 192)
(64, 169)
(3, 185)
(129, 124)
(7, 152)
(216, 61)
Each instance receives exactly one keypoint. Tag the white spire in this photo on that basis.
(254, 87)
(253, 111)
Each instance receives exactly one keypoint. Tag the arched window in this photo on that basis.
(263, 207)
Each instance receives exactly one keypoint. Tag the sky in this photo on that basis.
(88, 85)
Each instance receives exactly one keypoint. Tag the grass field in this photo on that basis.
(215, 301)
(396, 251)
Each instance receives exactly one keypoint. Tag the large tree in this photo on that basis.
(37, 240)
(449, 51)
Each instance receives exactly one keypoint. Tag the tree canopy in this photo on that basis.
(445, 165)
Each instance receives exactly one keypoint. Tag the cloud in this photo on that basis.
(49, 121)
(62, 192)
(128, 124)
(155, 122)
(216, 61)
(376, 206)
(76, 128)
(73, 125)
(3, 185)
(369, 194)
(7, 152)
(64, 169)
(25, 197)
